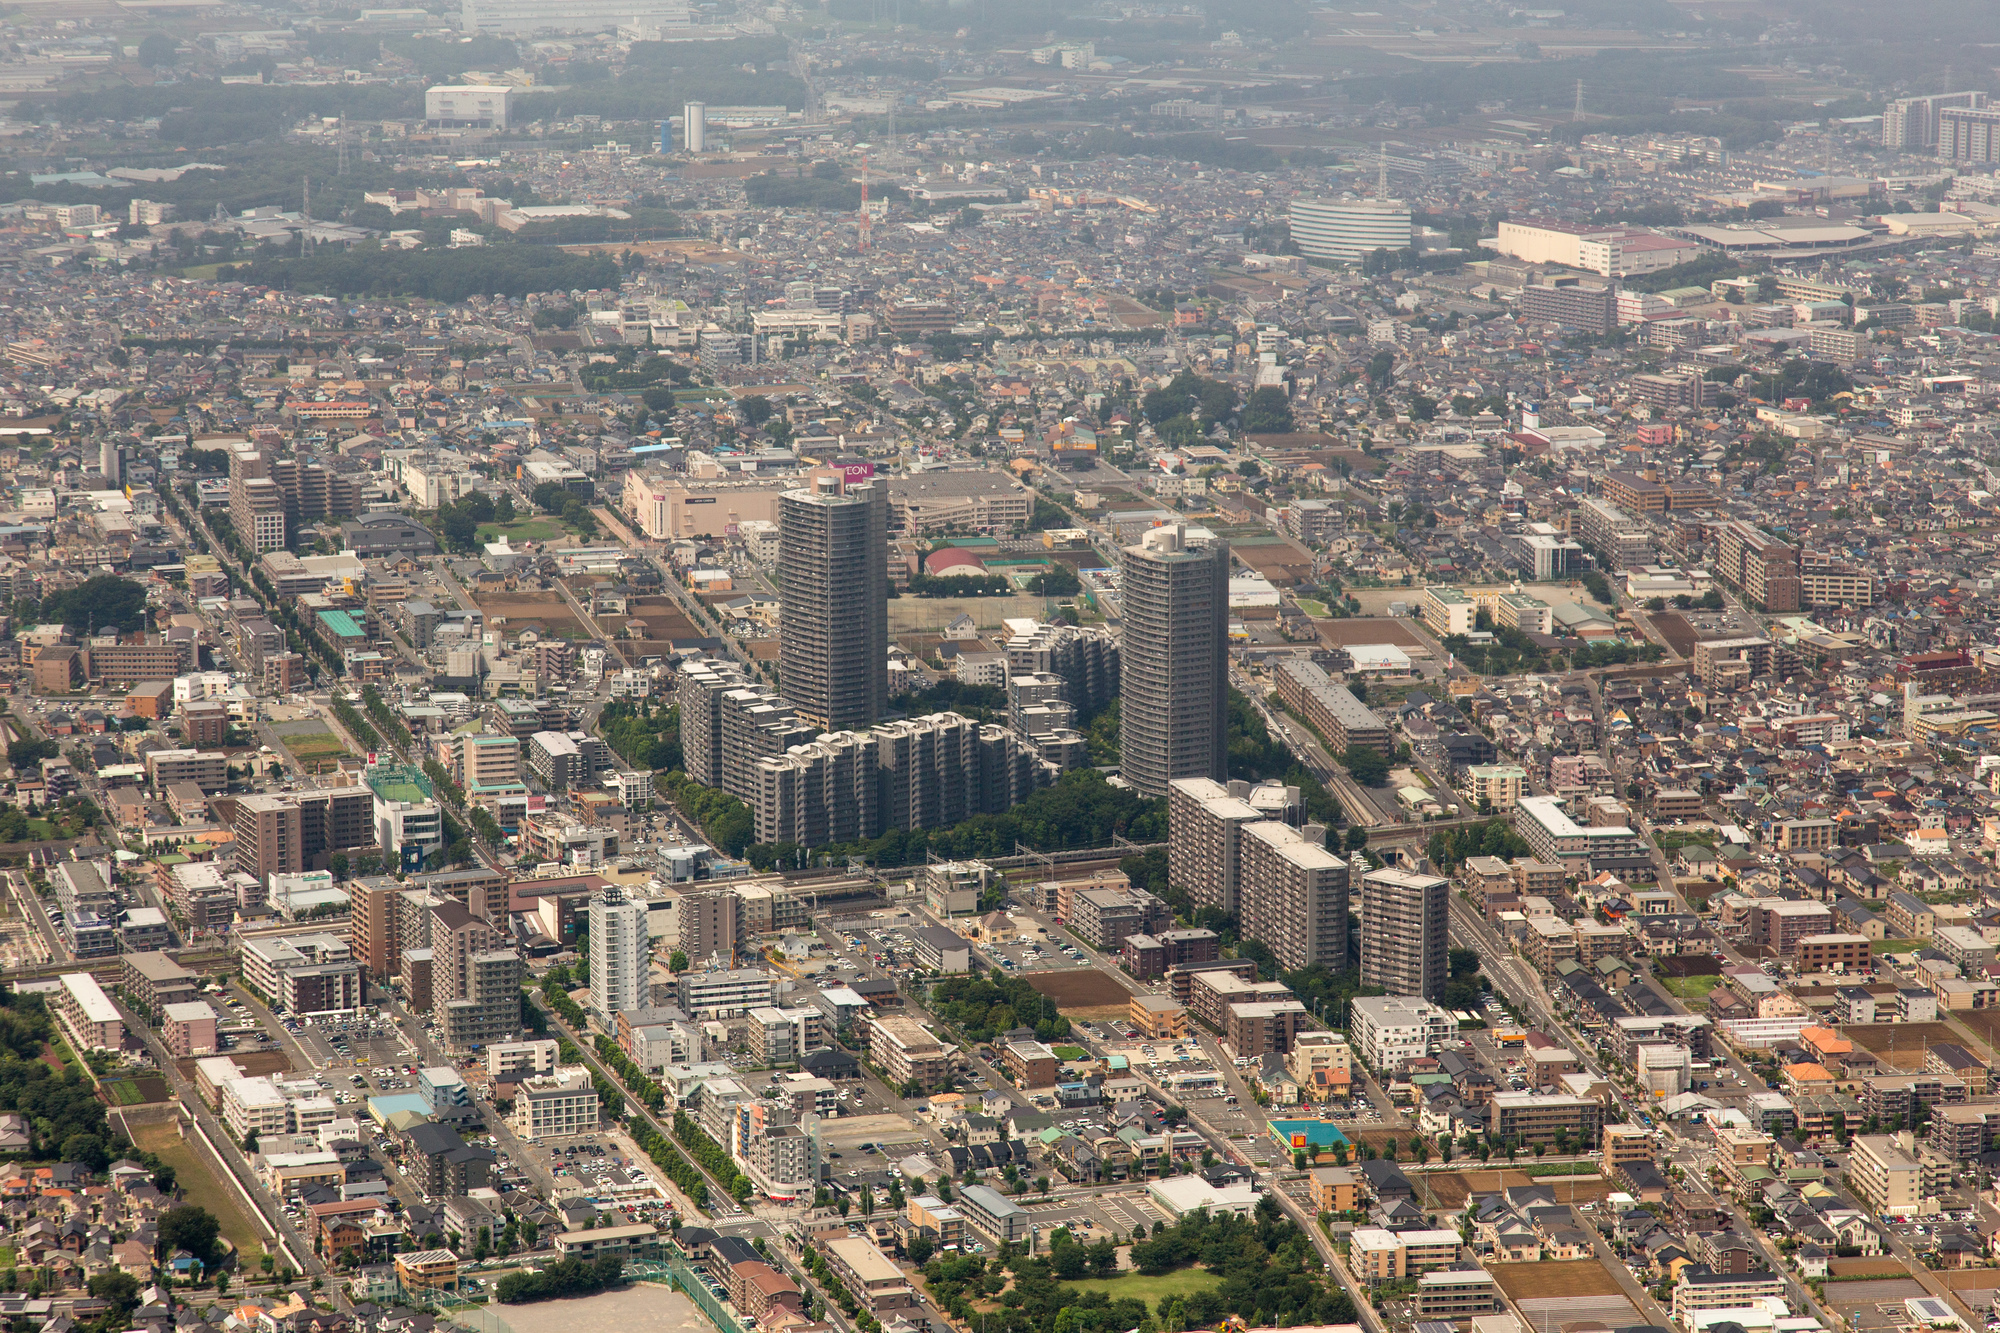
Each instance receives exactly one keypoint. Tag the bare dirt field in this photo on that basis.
(1574, 1277)
(1901, 1045)
(1880, 1266)
(1279, 559)
(663, 617)
(1452, 1188)
(915, 615)
(1383, 629)
(640, 1308)
(1983, 1024)
(255, 1064)
(1674, 628)
(1080, 988)
(521, 609)
(1872, 1293)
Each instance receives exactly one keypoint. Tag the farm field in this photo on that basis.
(523, 608)
(1078, 989)
(1573, 1277)
(1451, 1189)
(1880, 1266)
(1902, 1045)
(1369, 629)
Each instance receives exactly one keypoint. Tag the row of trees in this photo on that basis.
(564, 1277)
(644, 736)
(649, 1093)
(712, 1156)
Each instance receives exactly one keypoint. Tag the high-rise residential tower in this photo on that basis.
(833, 658)
(1403, 923)
(1173, 687)
(618, 953)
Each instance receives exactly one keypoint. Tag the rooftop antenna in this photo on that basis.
(1577, 115)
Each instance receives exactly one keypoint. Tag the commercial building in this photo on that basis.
(1174, 595)
(1388, 1029)
(468, 106)
(1825, 953)
(1350, 229)
(834, 630)
(1403, 918)
(1610, 252)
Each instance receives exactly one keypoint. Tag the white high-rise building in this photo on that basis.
(1350, 228)
(618, 952)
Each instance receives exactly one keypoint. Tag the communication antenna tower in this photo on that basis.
(1577, 114)
(306, 209)
(1382, 172)
(866, 220)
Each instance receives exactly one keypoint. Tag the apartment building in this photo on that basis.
(1377, 1256)
(906, 1053)
(1496, 787)
(1764, 568)
(1556, 838)
(562, 1104)
(206, 769)
(1623, 541)
(154, 981)
(993, 1215)
(1294, 894)
(1331, 707)
(1387, 1029)
(1885, 1176)
(869, 1275)
(1403, 921)
(1447, 611)
(86, 1014)
(1537, 1117)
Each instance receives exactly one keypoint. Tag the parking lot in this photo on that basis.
(607, 1169)
(359, 1041)
(1091, 1217)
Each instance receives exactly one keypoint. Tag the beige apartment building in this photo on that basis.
(906, 1053)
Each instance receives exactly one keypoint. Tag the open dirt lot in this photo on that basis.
(254, 1063)
(1880, 1266)
(1371, 629)
(1675, 629)
(1983, 1024)
(1871, 1293)
(1451, 1189)
(914, 615)
(1279, 559)
(640, 1308)
(523, 608)
(201, 1185)
(1901, 1045)
(1576, 1277)
(1079, 989)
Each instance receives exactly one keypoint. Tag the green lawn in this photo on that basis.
(524, 530)
(1690, 988)
(125, 1092)
(1070, 1052)
(1317, 610)
(202, 1186)
(1150, 1289)
(1897, 946)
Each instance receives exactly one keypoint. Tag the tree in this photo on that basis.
(920, 1250)
(100, 603)
(1366, 764)
(757, 409)
(159, 50)
(677, 962)
(120, 1289)
(192, 1228)
(1269, 412)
